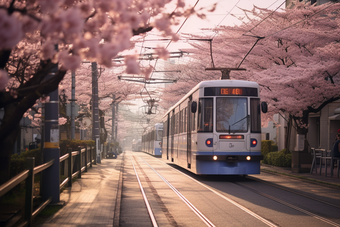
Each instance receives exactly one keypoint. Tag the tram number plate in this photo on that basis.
(232, 158)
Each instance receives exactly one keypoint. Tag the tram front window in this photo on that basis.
(231, 114)
(159, 135)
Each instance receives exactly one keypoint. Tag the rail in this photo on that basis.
(78, 162)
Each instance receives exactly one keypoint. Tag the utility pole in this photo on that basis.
(113, 118)
(95, 110)
(51, 176)
(116, 127)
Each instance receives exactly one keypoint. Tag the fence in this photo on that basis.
(77, 162)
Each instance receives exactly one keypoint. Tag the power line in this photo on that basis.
(267, 16)
(301, 20)
(224, 18)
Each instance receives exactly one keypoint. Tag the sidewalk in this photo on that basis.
(92, 199)
(313, 178)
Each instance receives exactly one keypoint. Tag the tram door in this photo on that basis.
(189, 133)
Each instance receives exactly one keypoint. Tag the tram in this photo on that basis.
(152, 140)
(136, 145)
(215, 129)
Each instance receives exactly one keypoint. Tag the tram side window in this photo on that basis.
(193, 120)
(180, 121)
(255, 114)
(205, 115)
(165, 127)
(185, 120)
(172, 125)
(177, 123)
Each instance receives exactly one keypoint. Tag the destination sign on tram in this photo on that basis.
(230, 91)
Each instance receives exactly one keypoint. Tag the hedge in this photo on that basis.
(266, 147)
(18, 161)
(74, 144)
(278, 158)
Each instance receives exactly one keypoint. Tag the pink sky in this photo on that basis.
(221, 16)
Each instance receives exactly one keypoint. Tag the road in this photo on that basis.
(157, 193)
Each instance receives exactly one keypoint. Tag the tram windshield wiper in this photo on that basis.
(238, 122)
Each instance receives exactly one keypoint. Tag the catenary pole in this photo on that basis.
(113, 118)
(73, 129)
(51, 151)
(95, 110)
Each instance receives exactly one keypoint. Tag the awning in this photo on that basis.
(334, 117)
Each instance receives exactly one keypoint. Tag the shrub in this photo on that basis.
(274, 146)
(74, 144)
(266, 147)
(18, 161)
(279, 158)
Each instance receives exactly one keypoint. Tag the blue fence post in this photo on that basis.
(69, 183)
(79, 161)
(29, 191)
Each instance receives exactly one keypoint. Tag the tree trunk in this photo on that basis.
(301, 158)
(7, 146)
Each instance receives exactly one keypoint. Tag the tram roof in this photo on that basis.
(215, 83)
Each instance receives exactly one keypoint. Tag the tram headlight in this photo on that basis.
(215, 157)
(248, 158)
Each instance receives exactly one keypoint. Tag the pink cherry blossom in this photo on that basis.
(132, 66)
(11, 30)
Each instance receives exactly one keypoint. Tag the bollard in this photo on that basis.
(29, 191)
(69, 183)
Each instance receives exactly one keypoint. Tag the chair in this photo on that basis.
(337, 159)
(316, 153)
(325, 156)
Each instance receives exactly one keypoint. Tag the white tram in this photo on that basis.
(152, 140)
(216, 129)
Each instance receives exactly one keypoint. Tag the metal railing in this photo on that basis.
(84, 157)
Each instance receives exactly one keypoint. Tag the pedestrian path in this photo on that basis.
(92, 199)
(314, 177)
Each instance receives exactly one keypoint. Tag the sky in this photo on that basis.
(193, 25)
(223, 15)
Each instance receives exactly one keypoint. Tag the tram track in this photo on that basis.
(199, 213)
(164, 209)
(290, 205)
(325, 220)
(293, 191)
(143, 168)
(181, 196)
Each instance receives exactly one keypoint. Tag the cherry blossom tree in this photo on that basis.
(91, 30)
(111, 90)
(293, 54)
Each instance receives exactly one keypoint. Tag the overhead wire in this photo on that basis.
(176, 33)
(225, 17)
